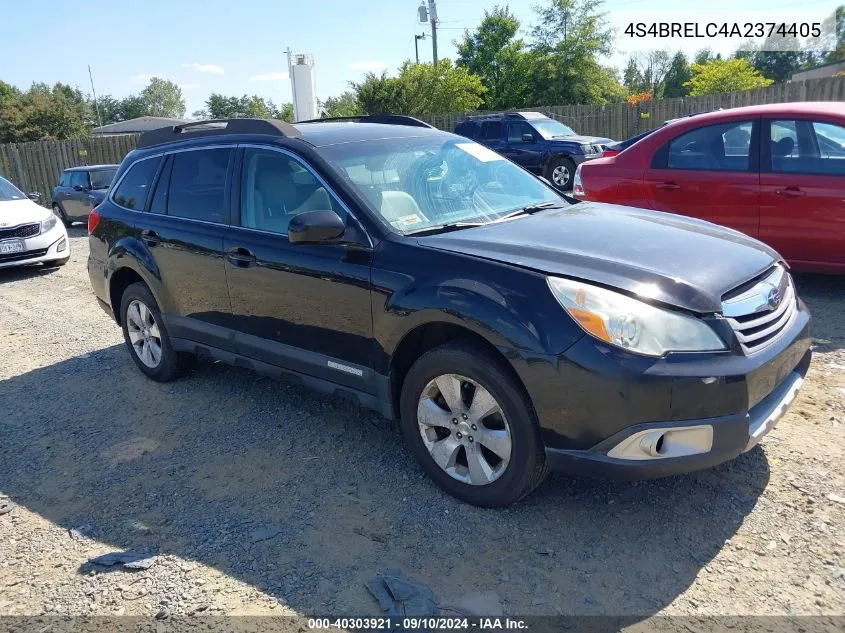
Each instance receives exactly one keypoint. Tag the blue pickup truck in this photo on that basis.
(541, 145)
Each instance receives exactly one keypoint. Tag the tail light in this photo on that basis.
(93, 221)
(578, 183)
(610, 152)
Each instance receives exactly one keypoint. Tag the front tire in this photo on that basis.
(60, 213)
(146, 336)
(471, 426)
(562, 173)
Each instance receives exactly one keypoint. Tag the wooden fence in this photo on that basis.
(36, 166)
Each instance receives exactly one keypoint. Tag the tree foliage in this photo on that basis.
(420, 89)
(345, 104)
(163, 98)
(43, 112)
(679, 73)
(494, 53)
(219, 106)
(725, 75)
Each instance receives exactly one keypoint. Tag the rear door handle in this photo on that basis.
(668, 186)
(790, 192)
(241, 257)
(150, 237)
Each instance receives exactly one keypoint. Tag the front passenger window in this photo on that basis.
(276, 187)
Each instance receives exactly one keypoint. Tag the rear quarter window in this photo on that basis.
(134, 188)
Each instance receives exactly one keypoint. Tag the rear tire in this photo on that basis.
(561, 173)
(60, 213)
(432, 428)
(146, 336)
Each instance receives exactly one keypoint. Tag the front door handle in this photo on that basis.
(790, 192)
(241, 257)
(150, 237)
(668, 186)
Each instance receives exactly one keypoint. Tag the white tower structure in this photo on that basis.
(302, 86)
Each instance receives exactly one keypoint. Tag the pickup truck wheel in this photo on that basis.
(471, 426)
(60, 213)
(561, 173)
(146, 336)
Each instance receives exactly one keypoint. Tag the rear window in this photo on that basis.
(101, 178)
(198, 185)
(134, 188)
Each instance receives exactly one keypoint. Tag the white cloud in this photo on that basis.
(189, 86)
(373, 65)
(204, 68)
(277, 76)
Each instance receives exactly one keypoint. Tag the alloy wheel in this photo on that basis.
(560, 175)
(144, 334)
(464, 429)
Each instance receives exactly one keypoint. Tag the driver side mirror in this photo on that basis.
(315, 227)
(528, 138)
(34, 196)
(79, 188)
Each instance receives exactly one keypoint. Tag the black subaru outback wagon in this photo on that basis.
(440, 284)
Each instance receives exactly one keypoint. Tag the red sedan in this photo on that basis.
(775, 172)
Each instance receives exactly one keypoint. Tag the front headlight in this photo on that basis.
(631, 324)
(49, 223)
(588, 149)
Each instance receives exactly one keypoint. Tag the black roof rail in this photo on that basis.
(390, 119)
(215, 127)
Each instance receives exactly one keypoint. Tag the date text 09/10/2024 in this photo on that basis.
(421, 623)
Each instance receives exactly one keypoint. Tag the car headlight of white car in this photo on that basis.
(49, 223)
(631, 324)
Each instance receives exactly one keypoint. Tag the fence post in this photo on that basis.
(19, 172)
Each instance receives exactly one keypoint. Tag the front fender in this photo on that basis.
(516, 313)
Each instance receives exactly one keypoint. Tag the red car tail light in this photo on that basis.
(93, 221)
(610, 152)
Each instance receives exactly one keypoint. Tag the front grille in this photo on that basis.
(24, 230)
(15, 257)
(760, 310)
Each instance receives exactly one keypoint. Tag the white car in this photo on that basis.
(29, 233)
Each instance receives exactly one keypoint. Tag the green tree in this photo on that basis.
(494, 53)
(677, 76)
(219, 106)
(132, 107)
(705, 56)
(379, 94)
(420, 89)
(632, 77)
(725, 75)
(43, 113)
(569, 39)
(345, 104)
(163, 98)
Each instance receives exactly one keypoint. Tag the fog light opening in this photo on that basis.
(62, 245)
(652, 444)
(664, 443)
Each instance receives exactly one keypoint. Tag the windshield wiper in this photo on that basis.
(531, 208)
(444, 228)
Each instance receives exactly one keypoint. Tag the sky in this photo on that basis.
(237, 46)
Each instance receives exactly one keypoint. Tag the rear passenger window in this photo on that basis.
(491, 130)
(198, 185)
(724, 147)
(133, 190)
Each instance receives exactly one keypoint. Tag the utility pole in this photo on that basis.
(432, 12)
(417, 39)
(96, 103)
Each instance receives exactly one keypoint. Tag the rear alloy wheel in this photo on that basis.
(561, 173)
(470, 424)
(146, 336)
(60, 213)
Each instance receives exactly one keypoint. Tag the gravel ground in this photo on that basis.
(257, 497)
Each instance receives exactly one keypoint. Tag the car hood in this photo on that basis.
(675, 260)
(582, 140)
(14, 212)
